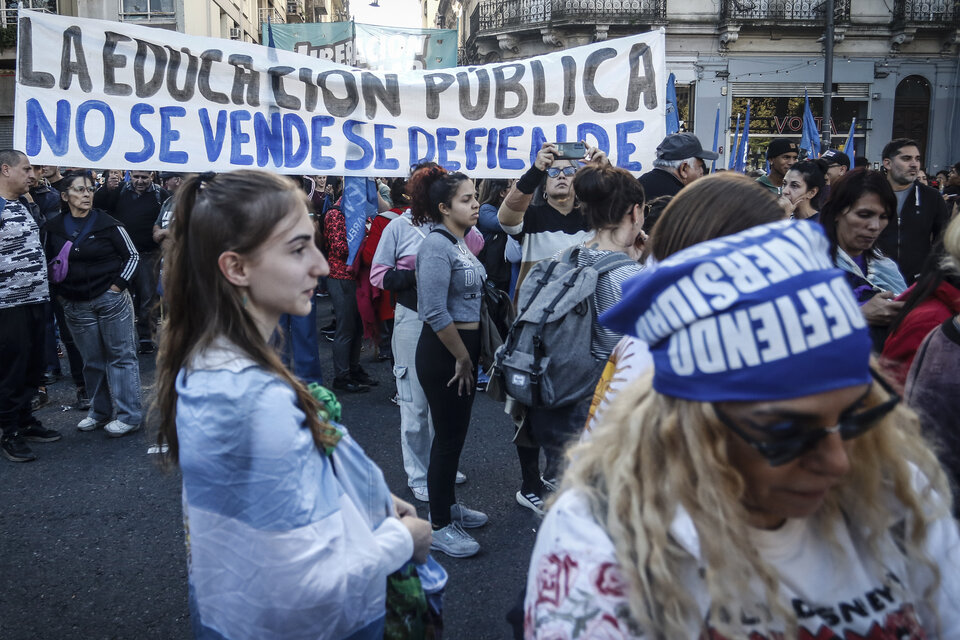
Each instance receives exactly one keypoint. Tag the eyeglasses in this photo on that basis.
(82, 189)
(553, 172)
(789, 439)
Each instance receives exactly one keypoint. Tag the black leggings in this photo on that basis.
(450, 413)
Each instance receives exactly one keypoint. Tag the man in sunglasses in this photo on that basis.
(541, 207)
(679, 162)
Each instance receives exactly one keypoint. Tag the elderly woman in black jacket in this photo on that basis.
(90, 279)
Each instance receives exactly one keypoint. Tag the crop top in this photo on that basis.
(449, 281)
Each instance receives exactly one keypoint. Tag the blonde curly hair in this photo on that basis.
(654, 454)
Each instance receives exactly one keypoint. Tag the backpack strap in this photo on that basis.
(442, 231)
(614, 260)
(415, 227)
(567, 285)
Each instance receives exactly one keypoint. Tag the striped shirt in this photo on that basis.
(546, 232)
(608, 293)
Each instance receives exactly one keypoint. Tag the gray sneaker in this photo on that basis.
(454, 541)
(468, 518)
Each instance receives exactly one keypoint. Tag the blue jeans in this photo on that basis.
(105, 332)
(301, 350)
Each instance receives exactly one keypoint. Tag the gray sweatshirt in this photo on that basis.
(449, 282)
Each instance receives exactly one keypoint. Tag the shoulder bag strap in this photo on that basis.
(83, 231)
(415, 227)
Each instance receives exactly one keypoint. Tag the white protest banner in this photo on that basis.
(93, 93)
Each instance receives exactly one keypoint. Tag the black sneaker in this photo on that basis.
(40, 399)
(15, 449)
(362, 377)
(34, 431)
(83, 402)
(349, 385)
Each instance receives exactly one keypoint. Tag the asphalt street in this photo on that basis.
(91, 537)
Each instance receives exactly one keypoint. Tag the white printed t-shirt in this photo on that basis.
(575, 590)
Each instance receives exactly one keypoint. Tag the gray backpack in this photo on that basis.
(545, 360)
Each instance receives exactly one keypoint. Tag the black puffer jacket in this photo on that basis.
(908, 238)
(105, 256)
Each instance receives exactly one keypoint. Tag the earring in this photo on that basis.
(243, 301)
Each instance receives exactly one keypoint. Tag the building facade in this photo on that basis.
(896, 65)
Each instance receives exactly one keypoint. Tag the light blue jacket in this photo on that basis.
(282, 541)
(882, 272)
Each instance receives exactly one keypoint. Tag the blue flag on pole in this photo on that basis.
(270, 41)
(848, 148)
(743, 149)
(810, 136)
(716, 138)
(733, 147)
(359, 202)
(673, 118)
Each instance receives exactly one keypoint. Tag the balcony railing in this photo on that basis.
(8, 14)
(497, 15)
(272, 15)
(927, 12)
(783, 12)
(610, 11)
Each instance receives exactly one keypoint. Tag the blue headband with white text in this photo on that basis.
(759, 315)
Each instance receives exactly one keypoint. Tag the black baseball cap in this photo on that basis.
(680, 146)
(166, 175)
(835, 157)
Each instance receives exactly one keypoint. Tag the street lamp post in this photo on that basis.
(827, 76)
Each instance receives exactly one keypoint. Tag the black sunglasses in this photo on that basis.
(789, 440)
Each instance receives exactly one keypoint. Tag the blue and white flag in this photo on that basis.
(359, 203)
(810, 136)
(733, 147)
(848, 148)
(743, 148)
(673, 118)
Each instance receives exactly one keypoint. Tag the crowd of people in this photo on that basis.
(745, 391)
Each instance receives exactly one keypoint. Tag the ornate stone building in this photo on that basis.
(896, 64)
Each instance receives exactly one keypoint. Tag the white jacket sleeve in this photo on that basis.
(574, 586)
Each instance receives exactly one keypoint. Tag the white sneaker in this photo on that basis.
(420, 493)
(89, 424)
(461, 478)
(117, 428)
(454, 541)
